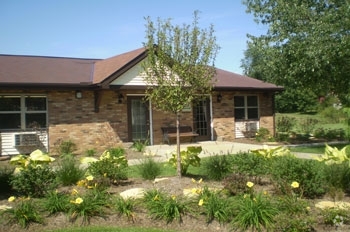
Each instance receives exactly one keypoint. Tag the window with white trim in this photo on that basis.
(246, 107)
(23, 112)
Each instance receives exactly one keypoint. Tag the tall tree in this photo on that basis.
(179, 67)
(307, 44)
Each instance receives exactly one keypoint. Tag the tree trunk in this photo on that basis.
(178, 145)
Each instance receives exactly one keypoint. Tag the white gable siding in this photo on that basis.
(131, 77)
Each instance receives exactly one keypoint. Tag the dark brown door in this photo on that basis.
(201, 119)
(138, 118)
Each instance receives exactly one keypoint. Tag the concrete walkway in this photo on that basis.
(209, 148)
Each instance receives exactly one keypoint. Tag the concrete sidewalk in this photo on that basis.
(209, 148)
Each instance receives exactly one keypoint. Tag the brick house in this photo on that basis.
(99, 104)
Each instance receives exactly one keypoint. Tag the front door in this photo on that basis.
(138, 119)
(201, 119)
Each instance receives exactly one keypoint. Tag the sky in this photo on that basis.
(105, 28)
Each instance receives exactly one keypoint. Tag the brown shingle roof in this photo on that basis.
(41, 71)
(234, 81)
(45, 70)
(105, 68)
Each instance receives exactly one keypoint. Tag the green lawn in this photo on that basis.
(106, 229)
(314, 149)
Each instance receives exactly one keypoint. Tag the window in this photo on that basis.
(246, 107)
(23, 112)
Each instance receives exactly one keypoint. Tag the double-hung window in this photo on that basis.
(23, 112)
(246, 107)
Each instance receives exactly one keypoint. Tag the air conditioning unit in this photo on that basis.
(26, 139)
(252, 126)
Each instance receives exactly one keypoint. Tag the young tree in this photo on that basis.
(179, 67)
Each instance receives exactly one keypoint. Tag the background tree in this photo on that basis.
(306, 47)
(179, 67)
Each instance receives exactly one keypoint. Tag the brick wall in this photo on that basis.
(76, 120)
(223, 114)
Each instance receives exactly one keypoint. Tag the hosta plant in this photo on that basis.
(188, 157)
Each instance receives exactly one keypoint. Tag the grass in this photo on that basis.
(314, 149)
(107, 229)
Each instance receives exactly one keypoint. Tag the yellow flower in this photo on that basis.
(156, 198)
(200, 181)
(193, 180)
(250, 184)
(11, 199)
(74, 192)
(173, 197)
(200, 203)
(90, 178)
(295, 184)
(77, 201)
(81, 183)
(104, 174)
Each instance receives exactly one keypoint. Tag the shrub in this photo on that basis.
(338, 176)
(309, 173)
(188, 157)
(217, 167)
(332, 114)
(262, 134)
(68, 171)
(149, 169)
(285, 124)
(307, 125)
(34, 181)
(112, 165)
(250, 164)
(65, 147)
(235, 183)
(297, 223)
(5, 180)
(23, 212)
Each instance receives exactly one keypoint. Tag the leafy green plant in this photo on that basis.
(268, 153)
(139, 145)
(296, 223)
(65, 147)
(162, 206)
(55, 202)
(23, 212)
(149, 168)
(307, 125)
(285, 124)
(217, 167)
(250, 164)
(335, 216)
(87, 205)
(125, 207)
(33, 175)
(333, 155)
(90, 152)
(308, 173)
(262, 134)
(5, 179)
(112, 164)
(188, 157)
(214, 205)
(235, 183)
(255, 211)
(68, 171)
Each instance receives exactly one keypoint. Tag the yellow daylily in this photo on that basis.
(201, 202)
(90, 177)
(250, 184)
(295, 184)
(11, 199)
